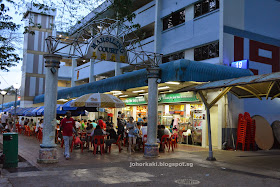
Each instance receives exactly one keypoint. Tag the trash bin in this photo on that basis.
(10, 150)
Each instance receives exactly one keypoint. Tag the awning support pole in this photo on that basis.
(210, 157)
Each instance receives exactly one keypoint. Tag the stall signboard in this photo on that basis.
(177, 97)
(107, 48)
(164, 98)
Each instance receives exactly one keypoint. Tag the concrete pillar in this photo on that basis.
(74, 77)
(118, 68)
(48, 152)
(151, 147)
(91, 71)
(158, 27)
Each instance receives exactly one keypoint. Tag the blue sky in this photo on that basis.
(14, 75)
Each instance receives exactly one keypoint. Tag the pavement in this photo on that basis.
(186, 166)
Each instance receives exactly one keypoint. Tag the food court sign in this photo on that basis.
(107, 48)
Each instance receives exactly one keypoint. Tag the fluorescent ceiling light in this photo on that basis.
(170, 91)
(171, 82)
(116, 91)
(138, 91)
(123, 95)
(63, 100)
(163, 88)
(143, 94)
(139, 97)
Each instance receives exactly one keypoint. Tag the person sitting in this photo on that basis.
(97, 132)
(166, 131)
(31, 124)
(94, 124)
(160, 133)
(89, 128)
(101, 123)
(77, 124)
(39, 125)
(112, 138)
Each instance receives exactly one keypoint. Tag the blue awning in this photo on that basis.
(66, 106)
(8, 109)
(32, 112)
(59, 111)
(21, 111)
(180, 70)
(9, 104)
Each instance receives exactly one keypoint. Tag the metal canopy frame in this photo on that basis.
(76, 46)
(248, 84)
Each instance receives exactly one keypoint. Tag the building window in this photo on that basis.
(206, 52)
(176, 18)
(205, 6)
(173, 57)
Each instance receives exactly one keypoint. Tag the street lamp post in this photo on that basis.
(3, 93)
(16, 86)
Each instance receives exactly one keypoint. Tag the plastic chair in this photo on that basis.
(144, 141)
(98, 140)
(118, 143)
(27, 131)
(164, 142)
(241, 131)
(172, 142)
(40, 135)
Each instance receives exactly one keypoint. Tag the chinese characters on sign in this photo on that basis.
(108, 48)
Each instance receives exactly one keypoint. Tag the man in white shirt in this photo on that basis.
(21, 122)
(143, 131)
(4, 118)
(77, 124)
(166, 131)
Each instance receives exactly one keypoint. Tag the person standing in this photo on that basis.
(10, 122)
(131, 126)
(67, 126)
(4, 118)
(139, 118)
(121, 125)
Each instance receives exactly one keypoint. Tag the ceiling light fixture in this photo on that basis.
(123, 95)
(116, 91)
(143, 94)
(139, 97)
(138, 91)
(163, 88)
(172, 82)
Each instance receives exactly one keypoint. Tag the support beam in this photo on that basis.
(224, 92)
(269, 89)
(48, 152)
(275, 96)
(250, 91)
(210, 157)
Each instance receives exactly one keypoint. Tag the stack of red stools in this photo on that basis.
(250, 131)
(246, 131)
(241, 131)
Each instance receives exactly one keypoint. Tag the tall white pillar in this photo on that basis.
(151, 147)
(74, 65)
(48, 152)
(91, 71)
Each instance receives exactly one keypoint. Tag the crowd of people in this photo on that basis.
(132, 133)
(8, 122)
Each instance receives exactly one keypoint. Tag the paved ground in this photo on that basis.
(185, 166)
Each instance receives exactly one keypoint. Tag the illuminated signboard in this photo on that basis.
(242, 64)
(108, 48)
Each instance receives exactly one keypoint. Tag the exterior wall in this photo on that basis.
(251, 31)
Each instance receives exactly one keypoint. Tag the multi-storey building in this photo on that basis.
(213, 31)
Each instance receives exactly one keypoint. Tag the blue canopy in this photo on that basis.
(66, 106)
(8, 109)
(59, 111)
(21, 111)
(32, 112)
